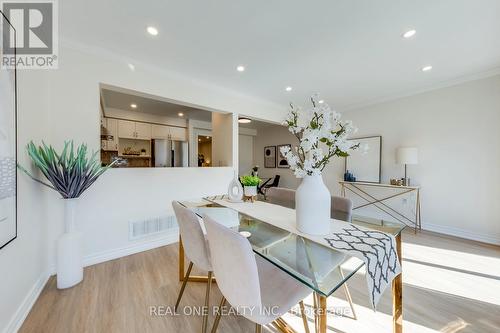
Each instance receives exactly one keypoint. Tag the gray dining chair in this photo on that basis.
(281, 196)
(341, 209)
(257, 289)
(196, 250)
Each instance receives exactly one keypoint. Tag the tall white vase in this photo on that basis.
(312, 206)
(69, 249)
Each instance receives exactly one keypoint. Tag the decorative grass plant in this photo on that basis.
(71, 172)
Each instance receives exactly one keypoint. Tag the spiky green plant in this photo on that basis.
(69, 173)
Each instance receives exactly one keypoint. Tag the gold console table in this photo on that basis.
(360, 189)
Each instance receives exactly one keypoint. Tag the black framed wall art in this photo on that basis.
(8, 141)
(270, 157)
(282, 162)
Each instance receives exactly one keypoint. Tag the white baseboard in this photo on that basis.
(461, 233)
(28, 302)
(135, 247)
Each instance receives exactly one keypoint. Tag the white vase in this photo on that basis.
(250, 191)
(235, 190)
(312, 206)
(69, 249)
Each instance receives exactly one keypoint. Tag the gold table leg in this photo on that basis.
(397, 295)
(321, 313)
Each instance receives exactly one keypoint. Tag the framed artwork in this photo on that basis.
(365, 162)
(282, 162)
(270, 157)
(8, 144)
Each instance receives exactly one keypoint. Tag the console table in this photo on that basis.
(360, 189)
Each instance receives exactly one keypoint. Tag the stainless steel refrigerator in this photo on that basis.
(170, 153)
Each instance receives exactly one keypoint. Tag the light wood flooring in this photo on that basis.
(450, 285)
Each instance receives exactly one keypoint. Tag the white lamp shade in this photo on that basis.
(407, 155)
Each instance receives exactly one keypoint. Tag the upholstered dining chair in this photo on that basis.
(257, 289)
(196, 250)
(341, 209)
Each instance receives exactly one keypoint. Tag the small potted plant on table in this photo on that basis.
(250, 184)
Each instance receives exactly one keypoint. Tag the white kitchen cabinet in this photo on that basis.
(143, 131)
(112, 127)
(159, 132)
(134, 130)
(126, 129)
(169, 132)
(178, 133)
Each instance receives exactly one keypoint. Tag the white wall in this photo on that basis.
(457, 132)
(23, 263)
(274, 135)
(245, 154)
(141, 193)
(222, 139)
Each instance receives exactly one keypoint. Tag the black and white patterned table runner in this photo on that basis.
(377, 249)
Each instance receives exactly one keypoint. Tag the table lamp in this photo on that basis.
(406, 155)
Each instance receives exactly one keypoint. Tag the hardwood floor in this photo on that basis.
(450, 285)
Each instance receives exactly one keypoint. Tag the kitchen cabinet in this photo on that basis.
(126, 129)
(134, 130)
(178, 133)
(159, 132)
(143, 131)
(111, 126)
(169, 132)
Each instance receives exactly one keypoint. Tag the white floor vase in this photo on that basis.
(312, 204)
(69, 249)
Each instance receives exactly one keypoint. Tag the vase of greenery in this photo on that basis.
(250, 184)
(321, 136)
(69, 173)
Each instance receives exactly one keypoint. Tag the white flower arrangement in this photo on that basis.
(316, 125)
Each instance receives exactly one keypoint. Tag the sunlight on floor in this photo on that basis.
(452, 272)
(447, 271)
(368, 320)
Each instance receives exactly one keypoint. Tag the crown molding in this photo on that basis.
(113, 56)
(436, 86)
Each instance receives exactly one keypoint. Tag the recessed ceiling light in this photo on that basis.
(288, 88)
(321, 101)
(426, 68)
(131, 66)
(152, 31)
(133, 106)
(180, 114)
(208, 137)
(199, 140)
(409, 33)
(240, 68)
(244, 120)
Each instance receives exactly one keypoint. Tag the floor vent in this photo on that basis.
(152, 226)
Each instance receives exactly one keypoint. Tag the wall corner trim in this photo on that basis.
(24, 309)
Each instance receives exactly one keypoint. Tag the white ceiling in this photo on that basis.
(122, 99)
(351, 52)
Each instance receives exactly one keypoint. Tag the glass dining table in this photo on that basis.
(321, 268)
